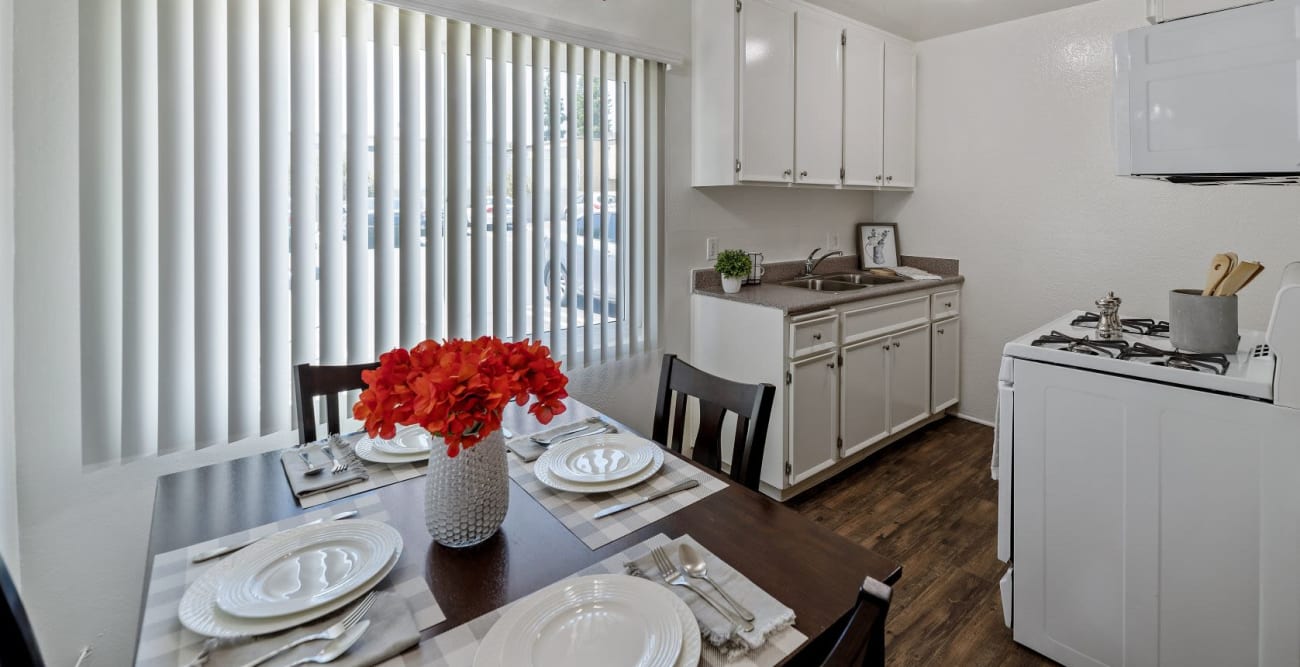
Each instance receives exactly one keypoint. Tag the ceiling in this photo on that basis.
(924, 19)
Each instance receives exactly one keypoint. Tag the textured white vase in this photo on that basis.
(731, 285)
(466, 496)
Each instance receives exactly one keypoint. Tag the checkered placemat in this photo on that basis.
(381, 474)
(163, 642)
(575, 510)
(457, 646)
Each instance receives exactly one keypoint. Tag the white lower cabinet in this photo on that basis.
(814, 414)
(864, 394)
(945, 364)
(909, 378)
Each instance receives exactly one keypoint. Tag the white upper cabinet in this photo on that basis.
(819, 92)
(900, 113)
(783, 92)
(864, 107)
(766, 150)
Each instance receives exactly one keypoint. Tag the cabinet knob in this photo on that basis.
(889, 179)
(817, 336)
(878, 178)
(885, 347)
(803, 174)
(786, 173)
(831, 366)
(941, 332)
(897, 344)
(947, 304)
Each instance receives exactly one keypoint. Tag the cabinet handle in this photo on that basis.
(941, 332)
(786, 173)
(947, 304)
(803, 174)
(877, 178)
(831, 366)
(896, 344)
(817, 336)
(886, 347)
(889, 179)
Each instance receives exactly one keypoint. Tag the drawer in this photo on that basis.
(884, 318)
(813, 333)
(945, 304)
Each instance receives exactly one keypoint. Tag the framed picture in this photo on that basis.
(877, 245)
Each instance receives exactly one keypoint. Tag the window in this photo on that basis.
(267, 182)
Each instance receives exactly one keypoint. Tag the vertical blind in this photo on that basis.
(272, 182)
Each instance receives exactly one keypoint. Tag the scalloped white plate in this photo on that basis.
(410, 441)
(546, 476)
(603, 457)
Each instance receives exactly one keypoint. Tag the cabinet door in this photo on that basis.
(864, 395)
(814, 416)
(864, 107)
(819, 91)
(766, 150)
(945, 359)
(909, 378)
(900, 114)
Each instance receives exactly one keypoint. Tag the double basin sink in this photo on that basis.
(842, 282)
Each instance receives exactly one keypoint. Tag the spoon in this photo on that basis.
(331, 651)
(695, 566)
(312, 469)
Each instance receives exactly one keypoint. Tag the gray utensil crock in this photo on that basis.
(1203, 323)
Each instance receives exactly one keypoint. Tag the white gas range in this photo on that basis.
(1148, 501)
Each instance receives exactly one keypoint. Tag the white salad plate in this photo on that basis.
(604, 457)
(365, 450)
(546, 475)
(301, 569)
(409, 441)
(597, 620)
(199, 613)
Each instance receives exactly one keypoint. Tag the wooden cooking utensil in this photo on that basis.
(1220, 266)
(1234, 260)
(1239, 278)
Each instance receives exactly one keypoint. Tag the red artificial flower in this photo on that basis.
(457, 389)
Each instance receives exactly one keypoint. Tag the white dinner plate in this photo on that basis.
(409, 441)
(365, 450)
(298, 570)
(597, 620)
(199, 613)
(544, 475)
(603, 457)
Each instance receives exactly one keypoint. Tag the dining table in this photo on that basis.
(805, 566)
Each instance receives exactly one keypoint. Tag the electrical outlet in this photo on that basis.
(711, 249)
(832, 241)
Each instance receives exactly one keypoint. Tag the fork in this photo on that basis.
(673, 577)
(332, 632)
(339, 466)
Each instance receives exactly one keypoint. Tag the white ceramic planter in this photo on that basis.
(731, 285)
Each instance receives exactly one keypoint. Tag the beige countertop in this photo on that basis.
(798, 300)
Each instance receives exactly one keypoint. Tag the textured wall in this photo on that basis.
(1015, 178)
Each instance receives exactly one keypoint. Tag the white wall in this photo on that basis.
(84, 532)
(8, 461)
(1015, 179)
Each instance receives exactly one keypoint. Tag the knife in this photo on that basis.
(688, 484)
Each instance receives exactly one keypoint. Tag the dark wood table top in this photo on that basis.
(810, 568)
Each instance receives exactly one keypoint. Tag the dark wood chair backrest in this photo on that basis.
(751, 403)
(862, 644)
(311, 381)
(18, 646)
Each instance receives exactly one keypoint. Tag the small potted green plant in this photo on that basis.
(734, 267)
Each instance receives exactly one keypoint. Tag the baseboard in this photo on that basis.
(977, 420)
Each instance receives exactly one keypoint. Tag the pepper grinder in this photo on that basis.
(1109, 328)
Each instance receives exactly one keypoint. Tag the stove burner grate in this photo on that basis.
(1142, 326)
(1109, 348)
(1138, 352)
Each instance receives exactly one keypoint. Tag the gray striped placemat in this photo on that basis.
(457, 646)
(163, 642)
(380, 474)
(576, 510)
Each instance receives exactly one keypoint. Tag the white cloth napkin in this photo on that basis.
(770, 616)
(392, 630)
(302, 485)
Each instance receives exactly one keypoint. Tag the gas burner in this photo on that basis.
(1114, 349)
(1143, 326)
(1188, 361)
(1144, 351)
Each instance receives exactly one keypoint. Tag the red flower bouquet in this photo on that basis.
(457, 389)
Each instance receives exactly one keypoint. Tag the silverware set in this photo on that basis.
(336, 465)
(672, 576)
(591, 426)
(221, 551)
(342, 635)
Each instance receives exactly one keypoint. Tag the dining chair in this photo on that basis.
(862, 644)
(19, 649)
(750, 403)
(310, 381)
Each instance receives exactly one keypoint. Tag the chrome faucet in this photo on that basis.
(810, 264)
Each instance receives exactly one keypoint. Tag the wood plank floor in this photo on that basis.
(929, 503)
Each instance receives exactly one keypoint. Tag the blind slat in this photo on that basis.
(360, 319)
(274, 159)
(386, 334)
(588, 206)
(636, 201)
(501, 267)
(302, 179)
(457, 180)
(540, 202)
(211, 217)
(654, 209)
(478, 182)
(412, 257)
(520, 156)
(333, 269)
(571, 181)
(435, 248)
(620, 103)
(140, 336)
(244, 390)
(601, 248)
(553, 260)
